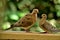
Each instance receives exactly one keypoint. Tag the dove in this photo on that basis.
(46, 26)
(27, 21)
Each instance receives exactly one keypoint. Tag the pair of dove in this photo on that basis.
(28, 21)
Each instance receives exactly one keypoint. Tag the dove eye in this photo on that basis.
(43, 15)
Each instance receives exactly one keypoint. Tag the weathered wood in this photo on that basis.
(27, 36)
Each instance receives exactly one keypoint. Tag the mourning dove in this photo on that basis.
(46, 26)
(27, 21)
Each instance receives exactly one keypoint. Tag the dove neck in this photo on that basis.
(43, 18)
(34, 14)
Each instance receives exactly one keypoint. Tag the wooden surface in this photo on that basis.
(13, 35)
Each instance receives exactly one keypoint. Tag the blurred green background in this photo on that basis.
(16, 9)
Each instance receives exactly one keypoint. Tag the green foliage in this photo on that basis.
(6, 25)
(20, 9)
(58, 13)
(36, 28)
(13, 17)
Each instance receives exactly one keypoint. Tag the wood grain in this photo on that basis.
(13, 35)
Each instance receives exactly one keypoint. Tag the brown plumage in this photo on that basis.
(27, 21)
(46, 25)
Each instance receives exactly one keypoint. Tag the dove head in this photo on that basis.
(35, 11)
(44, 16)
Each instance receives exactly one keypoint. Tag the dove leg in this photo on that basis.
(27, 29)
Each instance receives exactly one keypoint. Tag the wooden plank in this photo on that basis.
(28, 36)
